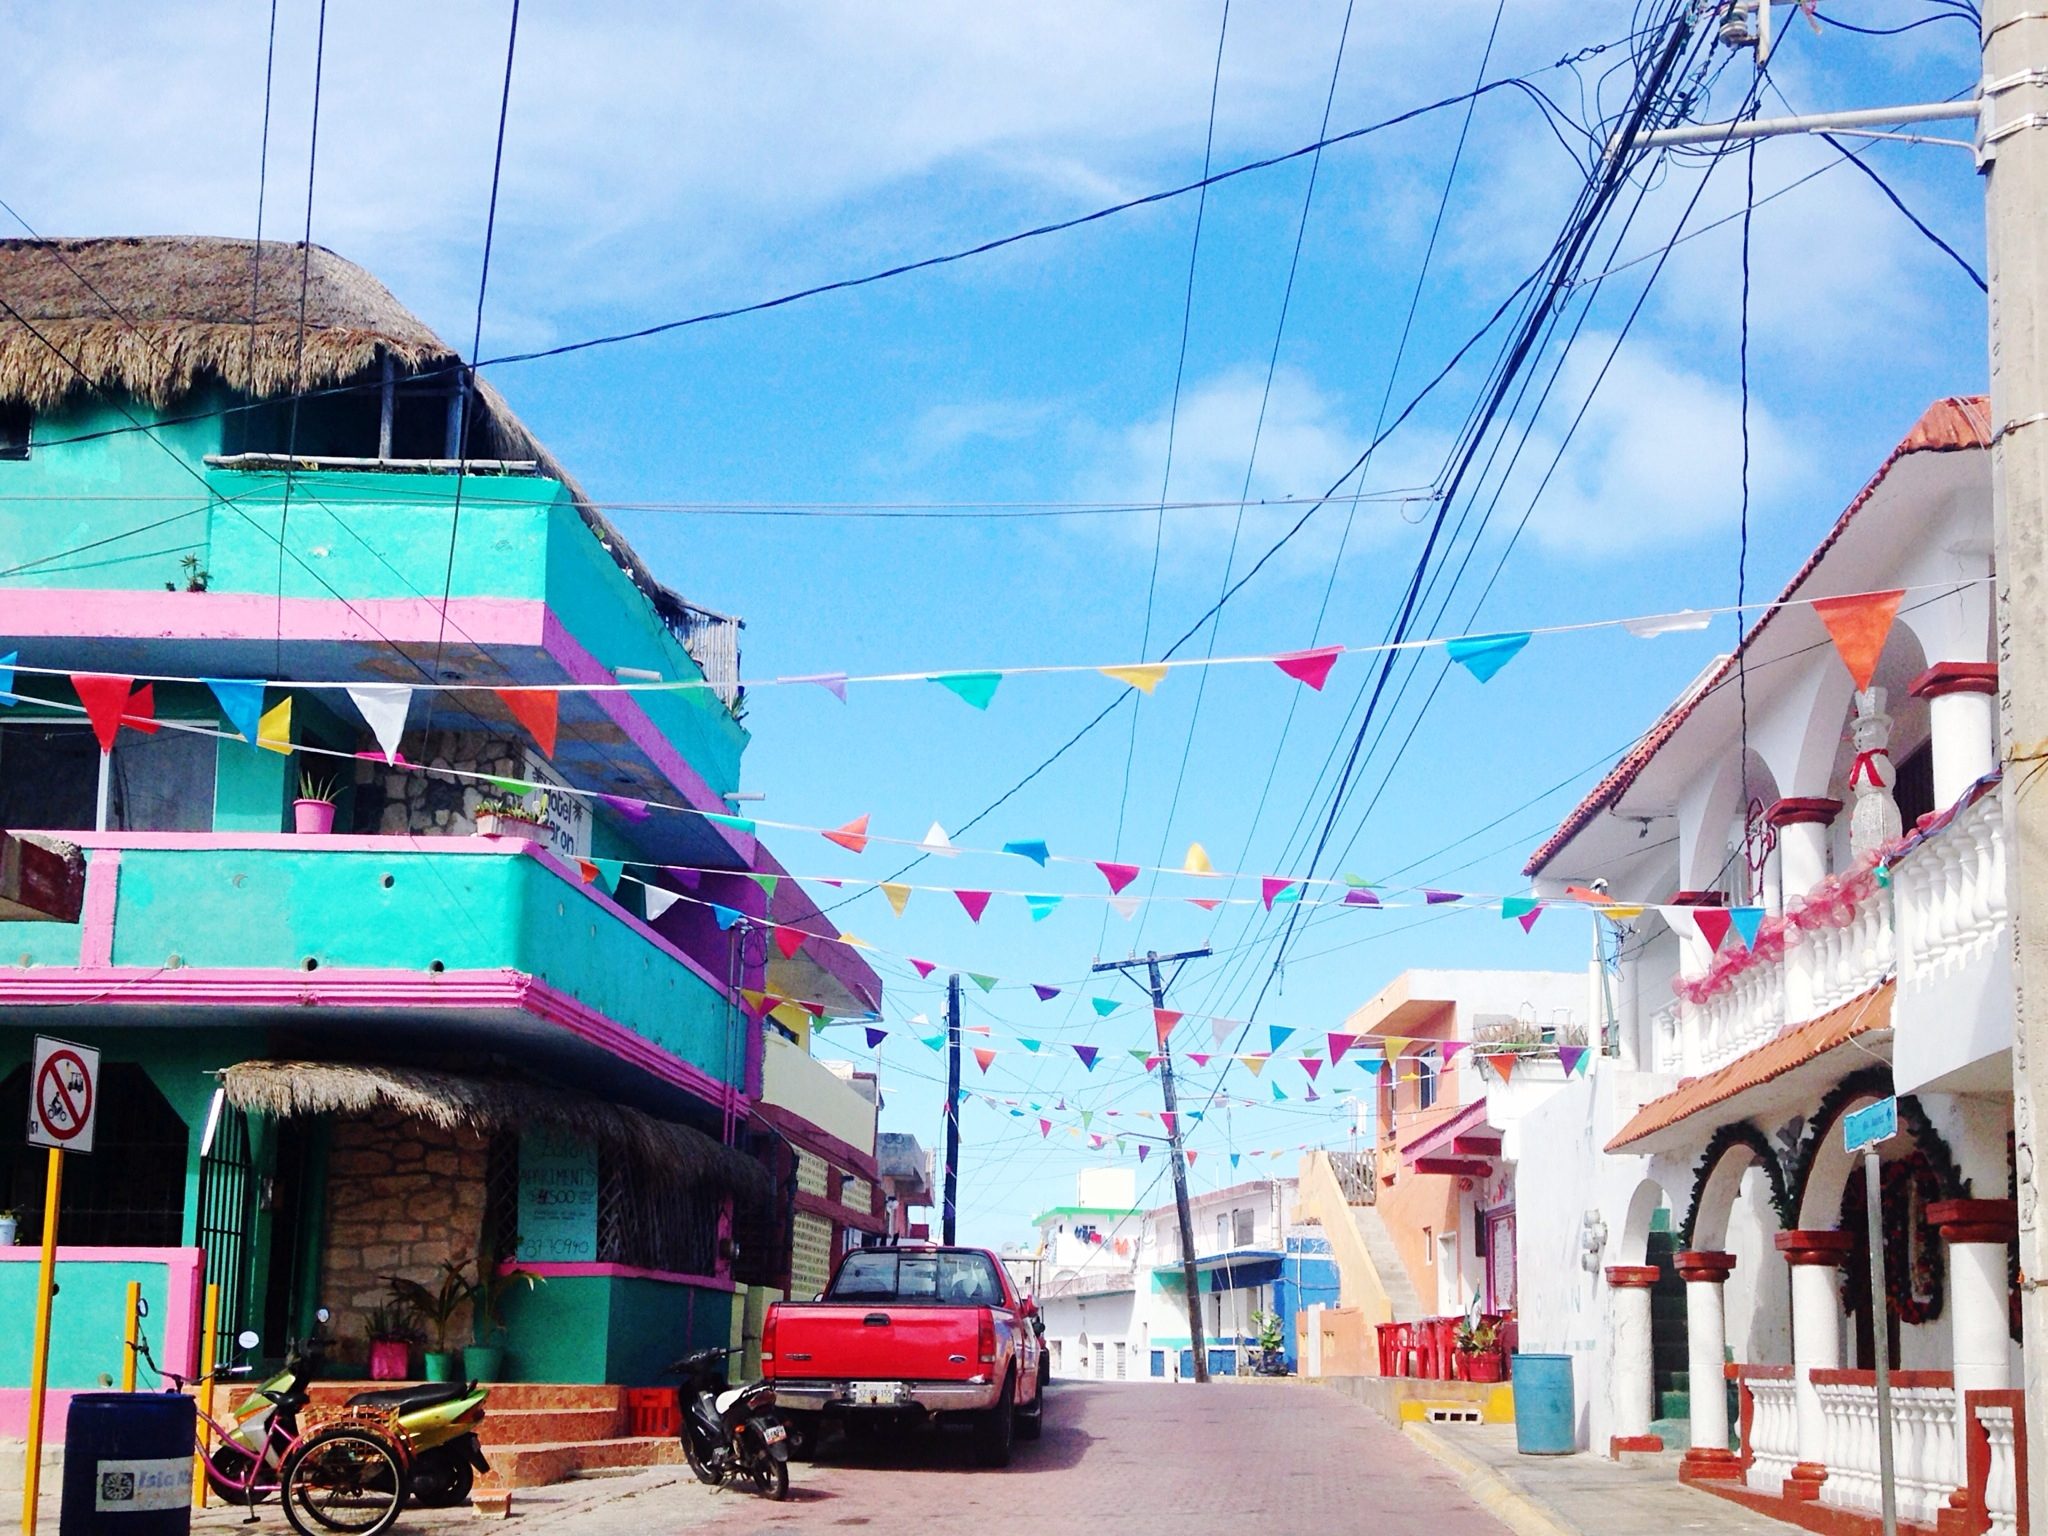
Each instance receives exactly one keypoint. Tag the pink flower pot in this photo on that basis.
(313, 818)
(390, 1359)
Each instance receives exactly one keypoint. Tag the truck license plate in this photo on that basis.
(874, 1393)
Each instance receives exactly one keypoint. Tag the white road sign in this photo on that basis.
(64, 1095)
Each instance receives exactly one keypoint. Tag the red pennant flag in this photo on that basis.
(1199, 1059)
(538, 710)
(1191, 1159)
(105, 700)
(141, 711)
(1311, 1065)
(815, 1010)
(923, 968)
(1271, 886)
(1163, 1020)
(854, 835)
(1859, 626)
(1151, 1065)
(1713, 924)
(1502, 1062)
(1339, 1044)
(984, 1055)
(587, 870)
(1206, 903)
(789, 940)
(1310, 667)
(1118, 875)
(976, 902)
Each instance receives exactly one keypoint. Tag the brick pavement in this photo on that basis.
(1278, 1459)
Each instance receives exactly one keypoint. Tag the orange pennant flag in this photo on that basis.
(1859, 626)
(587, 870)
(984, 1055)
(538, 710)
(853, 836)
(1502, 1062)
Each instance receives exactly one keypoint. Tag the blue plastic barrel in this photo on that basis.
(1545, 1419)
(128, 1464)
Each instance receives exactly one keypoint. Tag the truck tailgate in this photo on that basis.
(853, 1341)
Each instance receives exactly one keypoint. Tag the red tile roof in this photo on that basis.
(1789, 1048)
(1949, 425)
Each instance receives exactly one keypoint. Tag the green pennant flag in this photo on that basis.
(1517, 906)
(609, 871)
(975, 688)
(1087, 1118)
(766, 882)
(737, 823)
(1105, 1006)
(986, 983)
(1139, 1053)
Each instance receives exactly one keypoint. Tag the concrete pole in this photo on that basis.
(1635, 1380)
(1815, 1256)
(2015, 208)
(1976, 1232)
(1706, 1360)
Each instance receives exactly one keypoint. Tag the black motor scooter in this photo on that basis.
(730, 1431)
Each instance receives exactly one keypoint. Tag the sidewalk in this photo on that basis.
(1582, 1495)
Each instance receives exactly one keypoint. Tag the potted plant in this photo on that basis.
(434, 1309)
(484, 1360)
(10, 1228)
(1272, 1344)
(313, 811)
(392, 1337)
(1477, 1342)
(508, 816)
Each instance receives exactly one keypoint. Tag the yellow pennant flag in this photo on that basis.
(1143, 678)
(1394, 1045)
(899, 895)
(854, 942)
(274, 730)
(1621, 914)
(1253, 1063)
(1198, 861)
(791, 1015)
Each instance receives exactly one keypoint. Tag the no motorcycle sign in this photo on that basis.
(64, 1093)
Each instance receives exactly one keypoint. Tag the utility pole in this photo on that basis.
(2010, 116)
(952, 1201)
(1157, 988)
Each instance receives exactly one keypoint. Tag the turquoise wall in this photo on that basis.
(607, 1329)
(86, 1321)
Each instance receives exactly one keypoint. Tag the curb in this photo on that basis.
(1489, 1490)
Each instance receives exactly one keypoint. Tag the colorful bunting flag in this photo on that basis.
(1104, 1006)
(1045, 994)
(1197, 861)
(1044, 1128)
(986, 983)
(853, 836)
(1502, 1062)
(1041, 906)
(1570, 1057)
(767, 882)
(610, 872)
(1163, 1020)
(1439, 898)
(7, 699)
(1032, 848)
(1144, 677)
(1168, 1119)
(1713, 924)
(899, 895)
(1684, 621)
(876, 1036)
(924, 968)
(1125, 907)
(1270, 888)
(383, 707)
(1253, 1064)
(1278, 1096)
(1030, 1045)
(625, 805)
(976, 902)
(725, 917)
(1311, 1065)
(833, 683)
(1144, 1150)
(1484, 655)
(1190, 1155)
(274, 730)
(936, 842)
(657, 901)
(241, 702)
(1279, 1034)
(104, 699)
(1517, 906)
(1360, 898)
(1748, 923)
(983, 1055)
(1310, 667)
(1858, 625)
(1219, 1029)
(1118, 875)
(1206, 903)
(1199, 1058)
(975, 688)
(1450, 1048)
(789, 940)
(1339, 1044)
(538, 709)
(736, 823)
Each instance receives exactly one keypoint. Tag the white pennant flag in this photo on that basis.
(1126, 906)
(658, 901)
(936, 841)
(1219, 1029)
(384, 707)
(1678, 623)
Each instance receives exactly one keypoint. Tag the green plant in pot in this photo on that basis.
(1477, 1342)
(391, 1334)
(484, 1360)
(434, 1309)
(313, 811)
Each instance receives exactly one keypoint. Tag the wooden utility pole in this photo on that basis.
(949, 1209)
(1189, 1275)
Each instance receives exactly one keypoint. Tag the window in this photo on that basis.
(1241, 1228)
(1098, 1362)
(17, 424)
(50, 779)
(1122, 1367)
(1429, 1245)
(950, 1279)
(1426, 1072)
(1223, 1229)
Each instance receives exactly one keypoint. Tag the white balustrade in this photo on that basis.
(1843, 963)
(1740, 1017)
(1773, 1432)
(2001, 1486)
(1926, 1465)
(1667, 1039)
(1950, 896)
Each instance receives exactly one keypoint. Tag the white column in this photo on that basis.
(1962, 723)
(1634, 1382)
(1979, 1300)
(1815, 1258)
(1802, 828)
(1706, 1336)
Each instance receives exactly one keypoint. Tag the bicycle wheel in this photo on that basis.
(343, 1479)
(225, 1469)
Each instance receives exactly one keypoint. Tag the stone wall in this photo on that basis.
(393, 800)
(402, 1196)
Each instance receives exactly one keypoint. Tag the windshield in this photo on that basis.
(954, 1279)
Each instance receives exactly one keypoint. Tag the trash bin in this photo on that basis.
(1545, 1417)
(128, 1464)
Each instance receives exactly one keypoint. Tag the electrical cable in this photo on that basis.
(299, 351)
(1912, 218)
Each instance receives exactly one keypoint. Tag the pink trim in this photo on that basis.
(132, 987)
(96, 919)
(623, 1272)
(184, 1269)
(138, 615)
(823, 1143)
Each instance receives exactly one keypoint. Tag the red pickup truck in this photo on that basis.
(904, 1335)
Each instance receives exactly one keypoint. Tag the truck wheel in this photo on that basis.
(995, 1431)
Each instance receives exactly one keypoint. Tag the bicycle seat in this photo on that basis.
(411, 1399)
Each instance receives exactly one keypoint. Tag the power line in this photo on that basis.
(299, 348)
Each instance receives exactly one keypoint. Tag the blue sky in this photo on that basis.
(665, 161)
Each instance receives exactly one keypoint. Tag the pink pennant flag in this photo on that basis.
(923, 968)
(1339, 1044)
(1118, 875)
(1311, 1065)
(1199, 1058)
(1191, 1158)
(1151, 1065)
(984, 1055)
(1271, 886)
(1168, 1119)
(1206, 903)
(1528, 918)
(1450, 1048)
(1044, 1128)
(1310, 667)
(976, 902)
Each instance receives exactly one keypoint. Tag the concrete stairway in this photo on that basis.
(544, 1432)
(1386, 1262)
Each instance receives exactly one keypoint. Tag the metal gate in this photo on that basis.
(227, 1211)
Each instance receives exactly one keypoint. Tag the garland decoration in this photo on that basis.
(1727, 1139)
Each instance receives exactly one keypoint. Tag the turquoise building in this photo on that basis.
(333, 1057)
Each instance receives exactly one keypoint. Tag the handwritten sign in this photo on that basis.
(557, 1199)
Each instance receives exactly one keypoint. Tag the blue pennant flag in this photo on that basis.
(7, 679)
(241, 702)
(1031, 848)
(1484, 655)
(725, 916)
(1747, 921)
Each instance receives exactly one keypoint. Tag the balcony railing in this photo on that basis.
(1926, 1467)
(1997, 1460)
(1770, 1425)
(1950, 892)
(1357, 1174)
(713, 641)
(1742, 1016)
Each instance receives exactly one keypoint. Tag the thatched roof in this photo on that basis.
(283, 1089)
(155, 316)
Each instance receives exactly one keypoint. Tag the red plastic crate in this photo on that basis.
(652, 1411)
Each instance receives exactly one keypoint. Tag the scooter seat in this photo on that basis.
(727, 1398)
(411, 1399)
